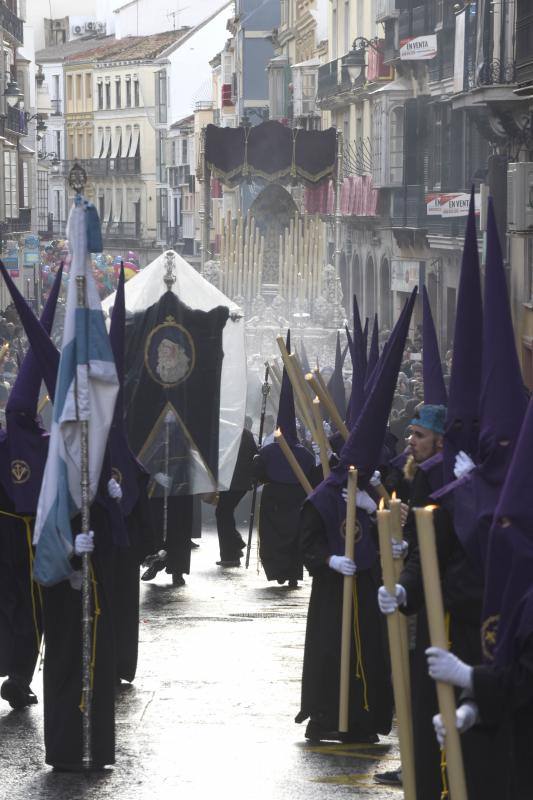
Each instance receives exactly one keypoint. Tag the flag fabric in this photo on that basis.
(86, 390)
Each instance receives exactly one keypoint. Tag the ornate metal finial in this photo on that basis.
(170, 276)
(77, 178)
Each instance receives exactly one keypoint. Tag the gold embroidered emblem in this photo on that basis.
(489, 633)
(20, 471)
(358, 531)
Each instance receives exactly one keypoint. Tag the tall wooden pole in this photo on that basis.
(347, 606)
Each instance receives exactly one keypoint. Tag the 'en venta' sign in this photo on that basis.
(418, 48)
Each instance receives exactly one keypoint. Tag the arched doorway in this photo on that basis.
(272, 209)
(357, 282)
(370, 288)
(385, 295)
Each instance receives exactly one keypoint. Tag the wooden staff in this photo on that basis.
(328, 405)
(302, 398)
(400, 677)
(291, 458)
(320, 438)
(347, 605)
(397, 534)
(437, 631)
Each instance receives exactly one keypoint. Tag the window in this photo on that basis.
(10, 184)
(79, 92)
(334, 30)
(118, 88)
(25, 185)
(88, 87)
(308, 92)
(396, 147)
(162, 212)
(184, 146)
(128, 92)
(346, 23)
(80, 152)
(69, 88)
(108, 94)
(377, 160)
(136, 93)
(161, 95)
(100, 90)
(160, 156)
(58, 144)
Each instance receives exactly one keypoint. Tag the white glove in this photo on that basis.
(113, 489)
(84, 543)
(75, 580)
(389, 603)
(343, 565)
(466, 716)
(375, 480)
(399, 549)
(444, 666)
(163, 480)
(362, 500)
(463, 464)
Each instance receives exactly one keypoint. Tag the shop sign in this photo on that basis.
(418, 48)
(449, 205)
(404, 275)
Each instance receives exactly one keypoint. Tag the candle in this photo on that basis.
(347, 604)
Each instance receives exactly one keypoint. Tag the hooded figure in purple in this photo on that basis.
(23, 451)
(282, 495)
(500, 690)
(502, 406)
(134, 506)
(322, 544)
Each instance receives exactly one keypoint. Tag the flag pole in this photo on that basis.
(86, 575)
(77, 180)
(265, 390)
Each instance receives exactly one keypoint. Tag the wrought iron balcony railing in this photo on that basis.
(11, 23)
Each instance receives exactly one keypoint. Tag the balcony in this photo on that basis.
(408, 207)
(52, 228)
(386, 9)
(15, 120)
(103, 167)
(20, 224)
(414, 22)
(57, 107)
(173, 235)
(121, 230)
(334, 84)
(11, 24)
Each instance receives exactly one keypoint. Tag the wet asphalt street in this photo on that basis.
(211, 712)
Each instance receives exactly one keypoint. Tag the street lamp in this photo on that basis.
(13, 94)
(355, 63)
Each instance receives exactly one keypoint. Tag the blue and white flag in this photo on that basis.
(87, 387)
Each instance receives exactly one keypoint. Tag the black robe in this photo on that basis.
(20, 598)
(463, 596)
(179, 529)
(63, 663)
(504, 696)
(321, 668)
(279, 516)
(126, 588)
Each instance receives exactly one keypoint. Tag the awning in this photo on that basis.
(116, 142)
(107, 143)
(134, 141)
(99, 143)
(127, 141)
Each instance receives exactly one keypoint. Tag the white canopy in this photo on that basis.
(145, 289)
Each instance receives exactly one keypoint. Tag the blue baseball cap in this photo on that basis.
(431, 417)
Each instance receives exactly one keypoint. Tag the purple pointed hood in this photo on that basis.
(462, 421)
(364, 447)
(373, 354)
(366, 439)
(509, 565)
(27, 441)
(336, 382)
(286, 420)
(434, 389)
(44, 350)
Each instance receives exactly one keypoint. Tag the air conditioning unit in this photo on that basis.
(90, 27)
(100, 27)
(77, 30)
(520, 196)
